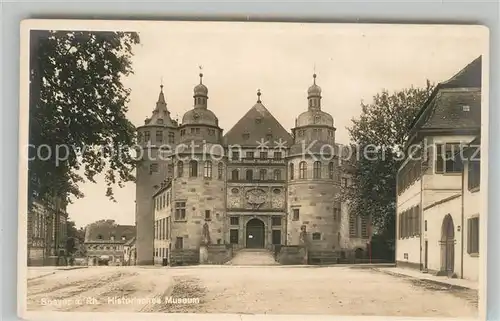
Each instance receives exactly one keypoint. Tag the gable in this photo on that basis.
(255, 125)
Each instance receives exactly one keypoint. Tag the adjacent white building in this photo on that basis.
(438, 204)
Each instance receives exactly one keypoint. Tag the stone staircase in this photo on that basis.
(253, 257)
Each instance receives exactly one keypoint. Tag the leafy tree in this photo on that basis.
(379, 135)
(78, 108)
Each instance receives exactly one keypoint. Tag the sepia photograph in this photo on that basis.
(263, 168)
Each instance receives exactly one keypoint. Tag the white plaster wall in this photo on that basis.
(472, 208)
(411, 246)
(434, 217)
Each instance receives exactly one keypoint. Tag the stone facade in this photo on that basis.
(438, 201)
(47, 233)
(256, 186)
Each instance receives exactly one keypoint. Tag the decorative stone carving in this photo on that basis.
(278, 201)
(205, 235)
(256, 197)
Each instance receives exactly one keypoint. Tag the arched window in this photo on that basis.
(277, 175)
(180, 168)
(220, 169)
(317, 169)
(331, 170)
(262, 174)
(193, 168)
(249, 174)
(302, 170)
(235, 175)
(292, 169)
(207, 173)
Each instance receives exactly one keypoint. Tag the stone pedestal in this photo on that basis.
(203, 254)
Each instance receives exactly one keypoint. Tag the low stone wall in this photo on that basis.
(184, 257)
(219, 253)
(291, 255)
(323, 257)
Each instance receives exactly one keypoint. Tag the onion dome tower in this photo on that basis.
(312, 172)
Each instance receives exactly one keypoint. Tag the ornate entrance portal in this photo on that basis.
(255, 234)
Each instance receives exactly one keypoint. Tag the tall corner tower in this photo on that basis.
(199, 180)
(158, 132)
(312, 173)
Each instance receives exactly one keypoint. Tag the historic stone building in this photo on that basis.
(47, 232)
(257, 186)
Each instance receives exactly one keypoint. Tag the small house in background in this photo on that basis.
(105, 241)
(129, 252)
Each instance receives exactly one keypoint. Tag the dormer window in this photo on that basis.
(258, 120)
(466, 108)
(159, 121)
(246, 136)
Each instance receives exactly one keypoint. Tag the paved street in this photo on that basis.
(234, 289)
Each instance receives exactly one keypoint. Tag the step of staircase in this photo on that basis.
(252, 257)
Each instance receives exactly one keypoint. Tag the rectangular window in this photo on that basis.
(278, 155)
(180, 211)
(235, 155)
(183, 132)
(192, 130)
(234, 220)
(473, 235)
(296, 214)
(343, 182)
(316, 236)
(179, 243)
(336, 214)
(250, 154)
(276, 221)
(448, 158)
(474, 175)
(147, 137)
(153, 168)
(197, 130)
(159, 136)
(207, 215)
(353, 225)
(263, 155)
(233, 236)
(364, 227)
(276, 237)
(171, 138)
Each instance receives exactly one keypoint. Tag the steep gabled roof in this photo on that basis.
(255, 125)
(444, 109)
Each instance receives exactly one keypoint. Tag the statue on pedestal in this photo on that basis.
(303, 235)
(205, 235)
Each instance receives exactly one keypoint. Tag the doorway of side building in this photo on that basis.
(447, 245)
(255, 234)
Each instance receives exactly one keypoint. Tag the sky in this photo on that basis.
(352, 63)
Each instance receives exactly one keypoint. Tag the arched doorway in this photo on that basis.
(447, 245)
(255, 234)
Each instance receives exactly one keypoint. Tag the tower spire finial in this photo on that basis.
(258, 96)
(161, 84)
(314, 73)
(201, 74)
